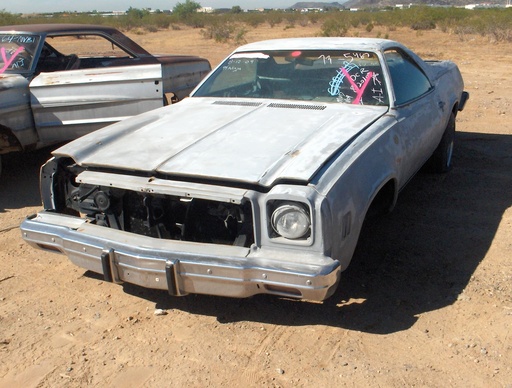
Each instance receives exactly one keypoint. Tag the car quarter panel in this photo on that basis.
(449, 84)
(67, 104)
(180, 77)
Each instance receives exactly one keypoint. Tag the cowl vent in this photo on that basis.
(297, 106)
(237, 103)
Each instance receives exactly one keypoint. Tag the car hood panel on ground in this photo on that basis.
(251, 141)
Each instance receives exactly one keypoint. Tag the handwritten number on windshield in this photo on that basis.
(7, 61)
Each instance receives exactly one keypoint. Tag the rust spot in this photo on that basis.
(110, 72)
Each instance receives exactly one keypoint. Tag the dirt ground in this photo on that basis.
(427, 300)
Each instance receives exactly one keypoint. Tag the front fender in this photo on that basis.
(357, 179)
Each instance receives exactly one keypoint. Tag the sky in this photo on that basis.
(29, 6)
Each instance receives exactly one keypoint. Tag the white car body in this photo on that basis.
(247, 189)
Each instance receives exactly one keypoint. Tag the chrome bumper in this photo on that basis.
(183, 267)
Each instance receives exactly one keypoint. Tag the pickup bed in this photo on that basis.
(61, 81)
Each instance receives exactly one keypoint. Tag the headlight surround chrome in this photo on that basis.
(291, 220)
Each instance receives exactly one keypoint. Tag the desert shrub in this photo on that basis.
(314, 17)
(218, 31)
(253, 19)
(423, 25)
(151, 28)
(223, 32)
(355, 18)
(239, 36)
(274, 18)
(161, 21)
(463, 31)
(290, 18)
(494, 23)
(138, 31)
(303, 22)
(7, 18)
(334, 27)
(499, 33)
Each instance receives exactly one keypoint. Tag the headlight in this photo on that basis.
(291, 220)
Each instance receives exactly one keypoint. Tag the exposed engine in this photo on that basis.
(163, 216)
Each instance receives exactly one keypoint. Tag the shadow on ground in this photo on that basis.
(417, 259)
(19, 181)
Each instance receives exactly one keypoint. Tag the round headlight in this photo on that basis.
(291, 221)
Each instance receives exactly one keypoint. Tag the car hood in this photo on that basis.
(248, 141)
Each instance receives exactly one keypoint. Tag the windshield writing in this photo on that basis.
(329, 76)
(17, 52)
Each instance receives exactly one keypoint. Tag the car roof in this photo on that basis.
(319, 43)
(72, 29)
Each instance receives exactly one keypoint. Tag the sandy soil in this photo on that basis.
(427, 300)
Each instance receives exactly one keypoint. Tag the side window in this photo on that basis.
(86, 46)
(71, 52)
(409, 82)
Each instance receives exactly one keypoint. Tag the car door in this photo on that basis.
(69, 104)
(418, 112)
(85, 82)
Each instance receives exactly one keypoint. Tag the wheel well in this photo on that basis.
(8, 142)
(384, 201)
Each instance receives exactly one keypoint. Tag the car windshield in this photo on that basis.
(17, 52)
(351, 77)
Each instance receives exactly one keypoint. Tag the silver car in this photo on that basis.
(259, 182)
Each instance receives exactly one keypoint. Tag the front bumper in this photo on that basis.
(183, 267)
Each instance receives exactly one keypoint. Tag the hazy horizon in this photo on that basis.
(44, 6)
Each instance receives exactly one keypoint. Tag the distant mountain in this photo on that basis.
(345, 4)
(392, 3)
(316, 5)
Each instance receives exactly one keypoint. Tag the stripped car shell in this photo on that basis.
(259, 182)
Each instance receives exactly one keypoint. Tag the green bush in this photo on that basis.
(494, 23)
(223, 32)
(423, 25)
(334, 27)
(274, 18)
(7, 18)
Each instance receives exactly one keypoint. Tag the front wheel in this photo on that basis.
(441, 159)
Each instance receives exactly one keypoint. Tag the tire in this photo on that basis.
(441, 159)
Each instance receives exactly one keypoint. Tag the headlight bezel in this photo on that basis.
(292, 211)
